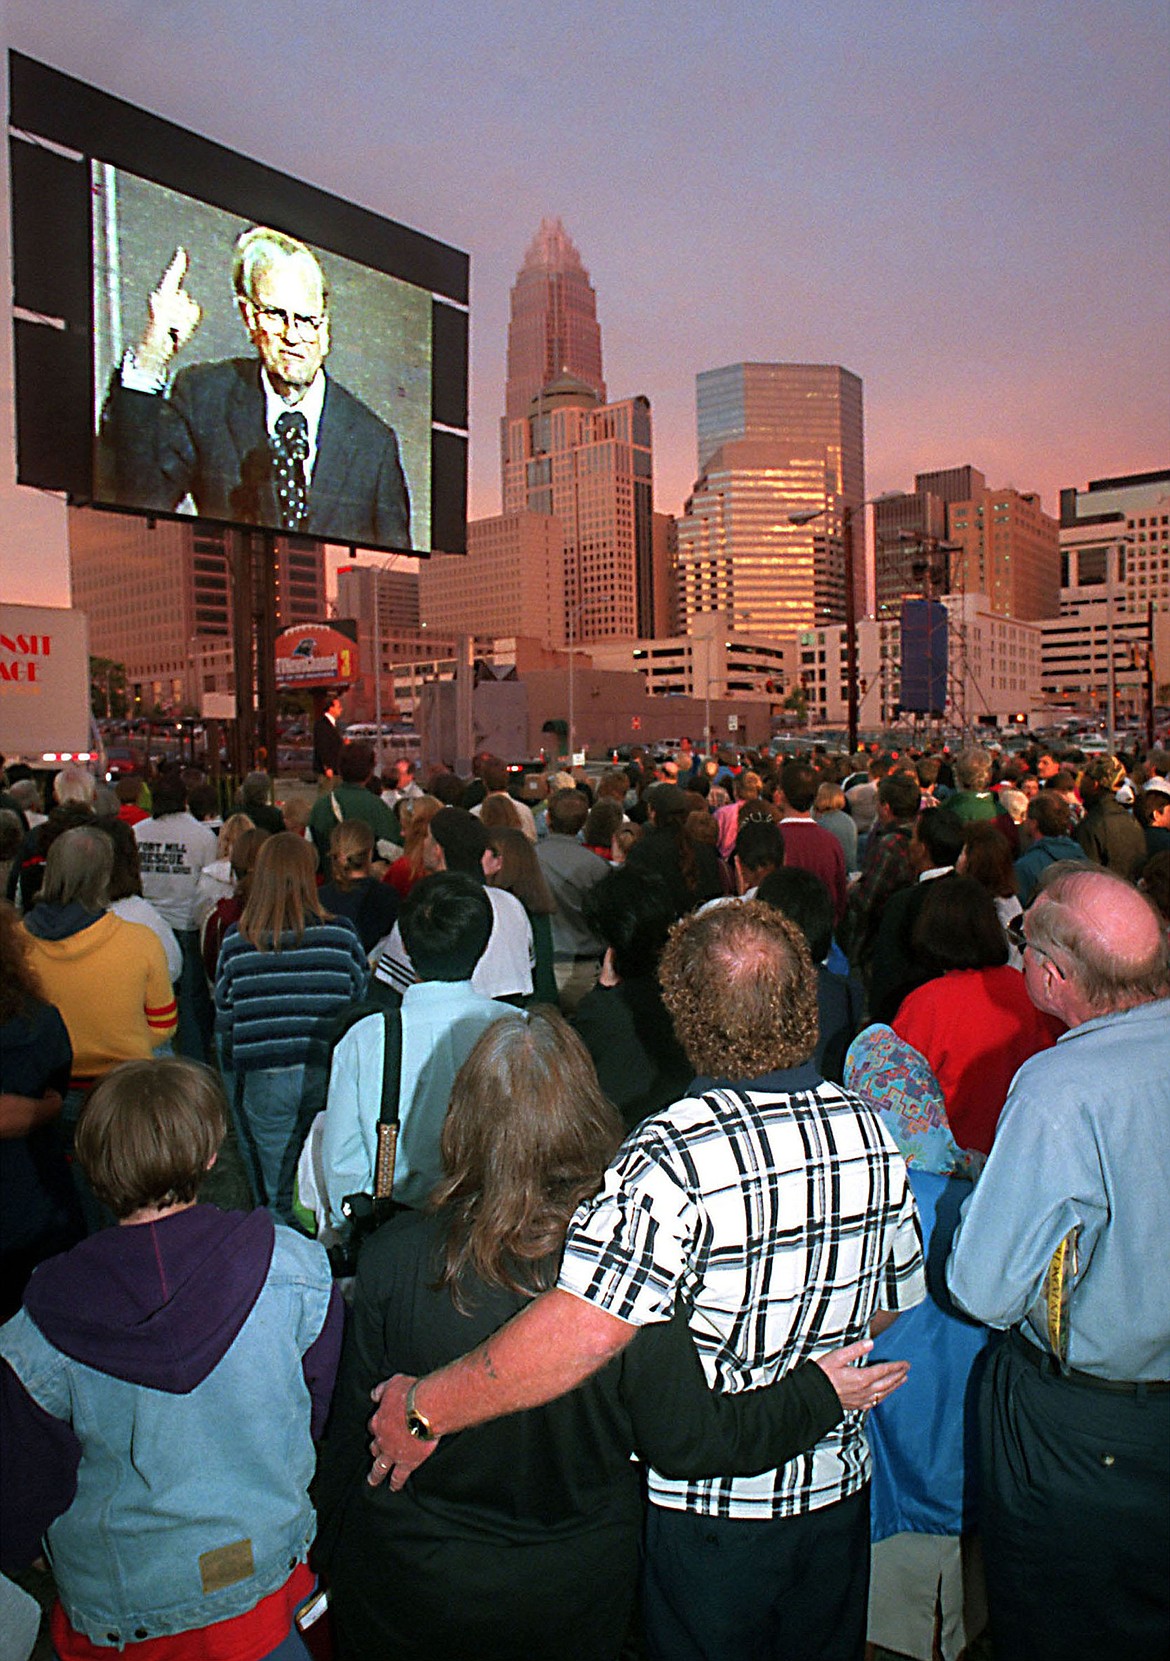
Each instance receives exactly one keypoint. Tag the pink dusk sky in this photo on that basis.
(964, 203)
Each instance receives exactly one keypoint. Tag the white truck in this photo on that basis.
(44, 687)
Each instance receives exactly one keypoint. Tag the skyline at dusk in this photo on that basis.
(965, 206)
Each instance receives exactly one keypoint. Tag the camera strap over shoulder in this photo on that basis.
(388, 1112)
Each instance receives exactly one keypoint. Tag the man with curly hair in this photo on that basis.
(775, 1206)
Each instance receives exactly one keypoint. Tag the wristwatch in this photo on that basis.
(417, 1422)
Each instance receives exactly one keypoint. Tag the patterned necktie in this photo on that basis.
(290, 450)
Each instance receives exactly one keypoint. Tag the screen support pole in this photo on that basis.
(241, 585)
(253, 566)
(264, 555)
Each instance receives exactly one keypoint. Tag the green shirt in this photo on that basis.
(349, 801)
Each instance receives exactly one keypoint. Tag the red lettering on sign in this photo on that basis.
(27, 645)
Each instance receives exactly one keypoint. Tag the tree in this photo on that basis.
(107, 689)
(797, 702)
(560, 731)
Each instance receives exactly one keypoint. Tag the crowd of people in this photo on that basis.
(699, 1207)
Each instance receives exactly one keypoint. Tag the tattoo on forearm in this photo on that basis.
(487, 1363)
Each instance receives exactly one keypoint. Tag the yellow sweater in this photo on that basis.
(110, 983)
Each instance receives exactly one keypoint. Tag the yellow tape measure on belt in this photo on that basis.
(1058, 1286)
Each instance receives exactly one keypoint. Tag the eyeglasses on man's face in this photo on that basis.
(278, 321)
(1015, 933)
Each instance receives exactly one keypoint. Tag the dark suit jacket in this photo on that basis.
(209, 438)
(326, 745)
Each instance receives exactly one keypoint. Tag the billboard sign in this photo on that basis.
(316, 654)
(44, 682)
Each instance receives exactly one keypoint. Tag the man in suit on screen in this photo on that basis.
(269, 440)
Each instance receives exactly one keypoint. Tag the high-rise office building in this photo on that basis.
(158, 594)
(952, 484)
(1007, 548)
(665, 556)
(590, 465)
(776, 441)
(384, 603)
(910, 551)
(1131, 514)
(1098, 622)
(739, 553)
(812, 410)
(381, 594)
(1007, 545)
(510, 581)
(553, 328)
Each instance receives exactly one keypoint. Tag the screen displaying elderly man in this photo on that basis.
(268, 439)
(778, 1209)
(1063, 1245)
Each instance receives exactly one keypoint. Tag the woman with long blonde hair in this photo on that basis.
(829, 811)
(216, 881)
(244, 855)
(285, 969)
(414, 816)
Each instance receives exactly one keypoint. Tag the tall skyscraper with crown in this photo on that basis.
(569, 453)
(553, 328)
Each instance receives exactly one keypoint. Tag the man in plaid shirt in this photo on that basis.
(777, 1208)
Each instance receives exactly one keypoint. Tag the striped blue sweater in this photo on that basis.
(273, 1009)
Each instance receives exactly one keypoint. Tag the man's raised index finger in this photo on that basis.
(171, 280)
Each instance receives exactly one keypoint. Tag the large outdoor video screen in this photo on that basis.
(256, 351)
(212, 336)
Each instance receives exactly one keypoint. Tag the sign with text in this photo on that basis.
(44, 681)
(317, 654)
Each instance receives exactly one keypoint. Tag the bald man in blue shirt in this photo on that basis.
(1063, 1245)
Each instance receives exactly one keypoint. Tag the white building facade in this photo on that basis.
(993, 668)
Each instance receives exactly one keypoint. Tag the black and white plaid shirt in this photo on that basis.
(782, 1212)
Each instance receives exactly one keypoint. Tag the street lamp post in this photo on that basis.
(1113, 555)
(379, 572)
(851, 684)
(575, 612)
(708, 680)
(1110, 667)
(378, 665)
(572, 711)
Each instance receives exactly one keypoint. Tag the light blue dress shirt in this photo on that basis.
(1083, 1142)
(441, 1021)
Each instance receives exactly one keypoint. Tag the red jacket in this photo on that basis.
(975, 1027)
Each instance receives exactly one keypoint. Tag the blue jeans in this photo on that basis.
(292, 1648)
(95, 1215)
(196, 1015)
(275, 1107)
